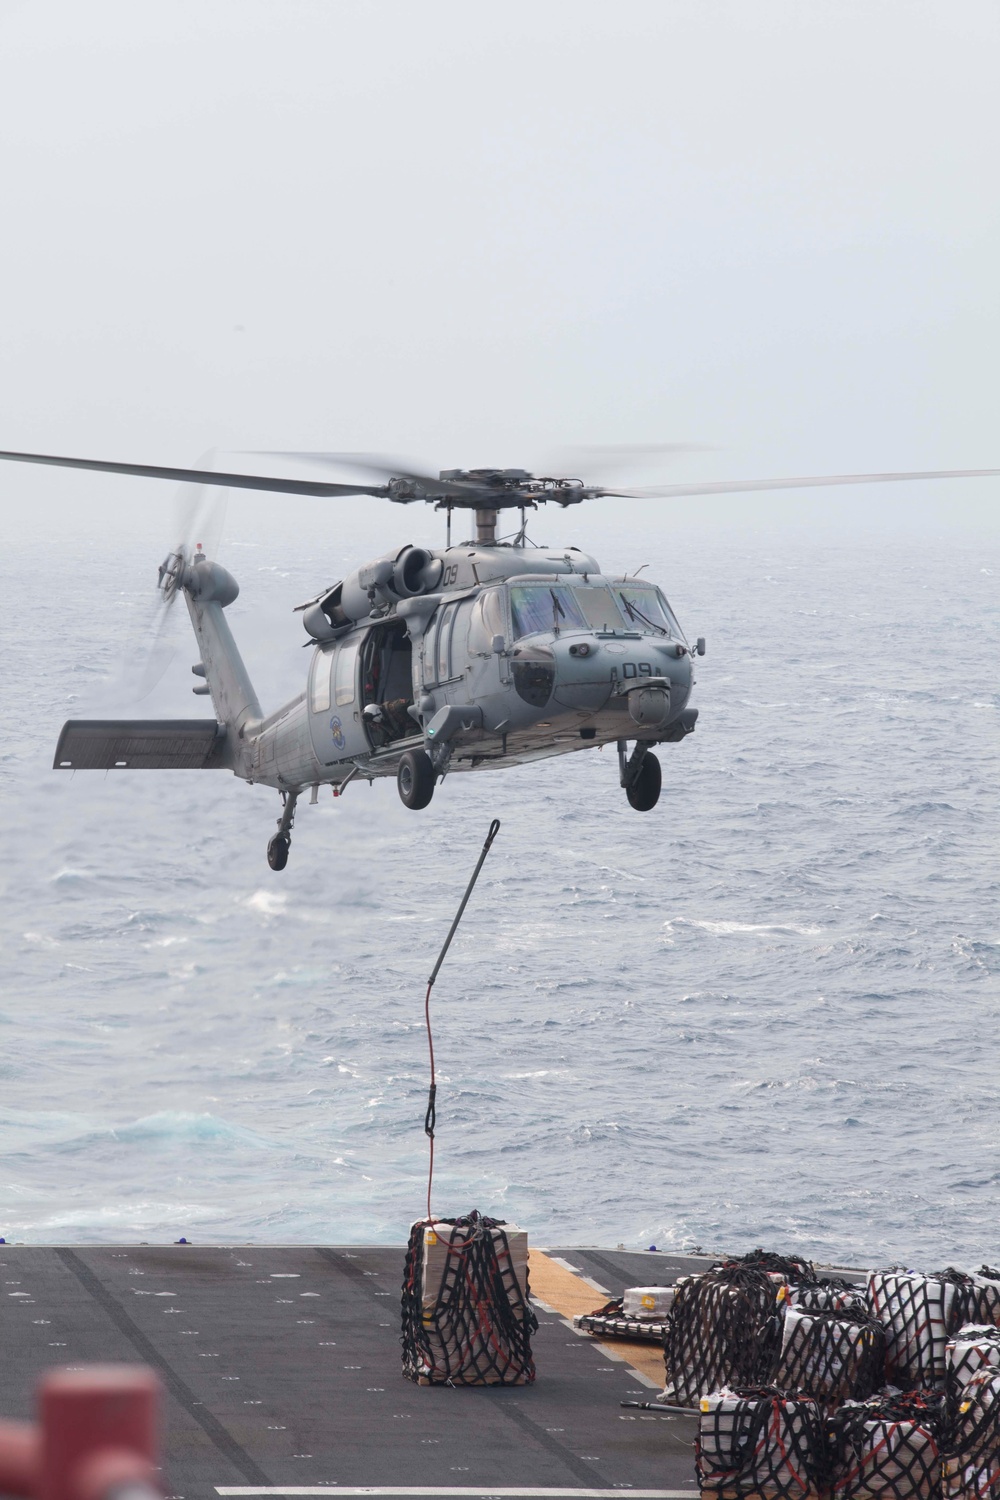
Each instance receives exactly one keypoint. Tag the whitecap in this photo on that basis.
(271, 903)
(725, 929)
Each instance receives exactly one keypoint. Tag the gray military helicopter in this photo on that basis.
(476, 656)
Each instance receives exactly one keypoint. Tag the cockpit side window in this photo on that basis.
(445, 629)
(487, 620)
(536, 607)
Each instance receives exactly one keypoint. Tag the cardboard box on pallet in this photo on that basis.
(647, 1301)
(439, 1238)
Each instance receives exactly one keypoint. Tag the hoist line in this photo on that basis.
(430, 1118)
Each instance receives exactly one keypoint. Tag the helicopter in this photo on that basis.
(480, 655)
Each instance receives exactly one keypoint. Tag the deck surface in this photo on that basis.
(282, 1373)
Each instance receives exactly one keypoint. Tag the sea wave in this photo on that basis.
(760, 1014)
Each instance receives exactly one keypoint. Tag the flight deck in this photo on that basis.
(281, 1369)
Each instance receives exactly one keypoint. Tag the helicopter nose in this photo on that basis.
(583, 675)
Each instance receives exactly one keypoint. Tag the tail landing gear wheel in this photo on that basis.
(277, 851)
(415, 779)
(644, 793)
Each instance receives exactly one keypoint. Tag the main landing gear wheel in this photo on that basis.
(277, 851)
(644, 792)
(415, 779)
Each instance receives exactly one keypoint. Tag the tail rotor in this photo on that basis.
(199, 514)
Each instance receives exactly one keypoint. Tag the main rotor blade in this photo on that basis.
(617, 459)
(810, 481)
(203, 476)
(389, 468)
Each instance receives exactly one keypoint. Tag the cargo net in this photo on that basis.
(759, 1442)
(975, 1348)
(832, 1356)
(970, 1468)
(919, 1313)
(987, 1284)
(723, 1329)
(888, 1448)
(829, 1294)
(976, 1299)
(466, 1315)
(782, 1267)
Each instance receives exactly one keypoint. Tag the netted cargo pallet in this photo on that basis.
(974, 1348)
(724, 1330)
(970, 1468)
(610, 1322)
(976, 1299)
(759, 1442)
(888, 1448)
(918, 1314)
(987, 1297)
(832, 1356)
(466, 1315)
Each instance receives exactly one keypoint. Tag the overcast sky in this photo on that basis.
(475, 233)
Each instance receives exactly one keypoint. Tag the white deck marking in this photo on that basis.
(483, 1490)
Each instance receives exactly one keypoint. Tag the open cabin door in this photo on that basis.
(334, 707)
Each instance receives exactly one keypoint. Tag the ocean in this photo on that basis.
(763, 1014)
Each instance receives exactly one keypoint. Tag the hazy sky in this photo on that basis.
(475, 233)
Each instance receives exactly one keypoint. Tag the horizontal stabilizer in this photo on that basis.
(141, 745)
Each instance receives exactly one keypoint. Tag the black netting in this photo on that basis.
(988, 1296)
(788, 1267)
(970, 1468)
(832, 1356)
(829, 1294)
(918, 1313)
(723, 1329)
(968, 1298)
(974, 1348)
(466, 1315)
(759, 1442)
(888, 1448)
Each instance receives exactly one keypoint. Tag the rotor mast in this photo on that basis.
(486, 526)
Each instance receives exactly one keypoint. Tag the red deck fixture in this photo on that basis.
(97, 1436)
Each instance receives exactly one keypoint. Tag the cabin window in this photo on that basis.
(322, 668)
(345, 673)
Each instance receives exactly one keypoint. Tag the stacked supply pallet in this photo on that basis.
(466, 1315)
(889, 1393)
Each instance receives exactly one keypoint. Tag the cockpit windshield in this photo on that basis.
(598, 605)
(541, 606)
(646, 609)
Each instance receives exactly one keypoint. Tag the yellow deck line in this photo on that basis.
(570, 1295)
